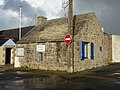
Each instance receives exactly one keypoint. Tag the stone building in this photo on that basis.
(8, 39)
(44, 47)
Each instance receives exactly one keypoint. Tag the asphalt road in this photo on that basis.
(103, 78)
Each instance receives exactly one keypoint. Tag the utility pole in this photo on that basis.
(64, 6)
(70, 30)
(20, 24)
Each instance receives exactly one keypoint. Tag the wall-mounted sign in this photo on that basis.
(40, 48)
(20, 52)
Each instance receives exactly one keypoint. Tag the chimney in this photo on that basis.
(41, 20)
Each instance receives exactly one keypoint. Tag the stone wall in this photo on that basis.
(91, 32)
(2, 56)
(54, 57)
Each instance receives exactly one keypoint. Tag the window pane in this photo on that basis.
(92, 50)
(41, 56)
(82, 50)
(86, 50)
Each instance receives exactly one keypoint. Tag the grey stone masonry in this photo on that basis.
(51, 34)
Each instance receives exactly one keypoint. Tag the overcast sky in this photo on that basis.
(107, 12)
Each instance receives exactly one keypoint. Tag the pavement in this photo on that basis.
(103, 78)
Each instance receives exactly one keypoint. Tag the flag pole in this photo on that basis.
(20, 24)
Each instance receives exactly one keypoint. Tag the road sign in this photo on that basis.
(67, 39)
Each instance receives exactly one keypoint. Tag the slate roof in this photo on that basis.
(3, 41)
(14, 32)
(55, 30)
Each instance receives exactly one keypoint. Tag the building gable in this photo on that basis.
(9, 43)
(55, 30)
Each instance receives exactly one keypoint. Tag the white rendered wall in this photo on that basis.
(116, 48)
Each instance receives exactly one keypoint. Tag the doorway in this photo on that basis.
(8, 56)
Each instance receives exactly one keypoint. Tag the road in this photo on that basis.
(103, 78)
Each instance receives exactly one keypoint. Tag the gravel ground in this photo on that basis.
(103, 78)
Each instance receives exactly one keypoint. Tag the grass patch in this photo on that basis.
(25, 68)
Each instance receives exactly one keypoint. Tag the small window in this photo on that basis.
(100, 48)
(40, 56)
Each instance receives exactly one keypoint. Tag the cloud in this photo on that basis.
(27, 9)
(83, 6)
(35, 3)
(9, 12)
(106, 10)
(1, 2)
(30, 8)
(8, 19)
(53, 8)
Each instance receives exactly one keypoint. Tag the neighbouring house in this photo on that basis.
(6, 51)
(8, 39)
(44, 47)
(115, 48)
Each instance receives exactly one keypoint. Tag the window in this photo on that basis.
(40, 49)
(100, 48)
(41, 56)
(86, 50)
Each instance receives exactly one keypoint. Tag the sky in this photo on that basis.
(107, 12)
